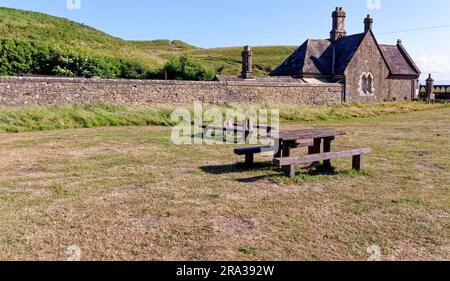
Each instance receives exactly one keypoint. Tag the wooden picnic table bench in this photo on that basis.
(250, 152)
(287, 140)
(311, 138)
(288, 164)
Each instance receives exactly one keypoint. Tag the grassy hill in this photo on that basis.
(70, 36)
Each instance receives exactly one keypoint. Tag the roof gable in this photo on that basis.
(398, 60)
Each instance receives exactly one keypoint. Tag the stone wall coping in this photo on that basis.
(160, 82)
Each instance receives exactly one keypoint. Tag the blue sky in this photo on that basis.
(220, 23)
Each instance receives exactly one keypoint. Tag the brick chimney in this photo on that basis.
(247, 63)
(338, 30)
(368, 22)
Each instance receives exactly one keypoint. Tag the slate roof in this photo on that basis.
(398, 60)
(302, 60)
(316, 57)
(346, 47)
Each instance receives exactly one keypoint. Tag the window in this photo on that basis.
(366, 84)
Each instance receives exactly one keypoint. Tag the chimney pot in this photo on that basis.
(338, 30)
(368, 22)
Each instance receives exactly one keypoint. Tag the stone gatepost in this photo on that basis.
(430, 88)
(247, 63)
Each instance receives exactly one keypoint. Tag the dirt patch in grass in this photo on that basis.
(429, 166)
(236, 226)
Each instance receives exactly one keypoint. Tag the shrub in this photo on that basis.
(184, 68)
(18, 56)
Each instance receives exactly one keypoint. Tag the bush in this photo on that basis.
(19, 57)
(184, 68)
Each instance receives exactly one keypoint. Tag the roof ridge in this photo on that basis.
(408, 58)
(305, 57)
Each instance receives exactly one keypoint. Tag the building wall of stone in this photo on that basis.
(401, 89)
(368, 59)
(20, 91)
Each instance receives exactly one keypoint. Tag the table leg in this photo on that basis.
(286, 149)
(249, 160)
(316, 147)
(357, 162)
(327, 148)
(289, 170)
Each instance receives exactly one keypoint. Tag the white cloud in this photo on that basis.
(438, 65)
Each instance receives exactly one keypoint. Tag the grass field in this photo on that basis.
(129, 193)
(45, 118)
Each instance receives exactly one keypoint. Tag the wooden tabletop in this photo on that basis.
(309, 134)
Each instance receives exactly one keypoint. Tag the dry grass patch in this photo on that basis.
(128, 193)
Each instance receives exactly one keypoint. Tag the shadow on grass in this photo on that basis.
(306, 174)
(236, 168)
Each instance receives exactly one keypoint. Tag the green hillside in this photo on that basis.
(68, 34)
(228, 60)
(65, 36)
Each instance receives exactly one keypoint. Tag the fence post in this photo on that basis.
(430, 86)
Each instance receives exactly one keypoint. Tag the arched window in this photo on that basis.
(366, 84)
(370, 84)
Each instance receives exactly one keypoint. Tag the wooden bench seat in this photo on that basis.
(288, 164)
(249, 152)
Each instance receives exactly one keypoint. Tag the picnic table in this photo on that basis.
(311, 138)
(290, 139)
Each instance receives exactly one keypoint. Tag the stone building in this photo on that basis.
(368, 71)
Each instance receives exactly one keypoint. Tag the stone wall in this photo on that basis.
(401, 89)
(20, 91)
